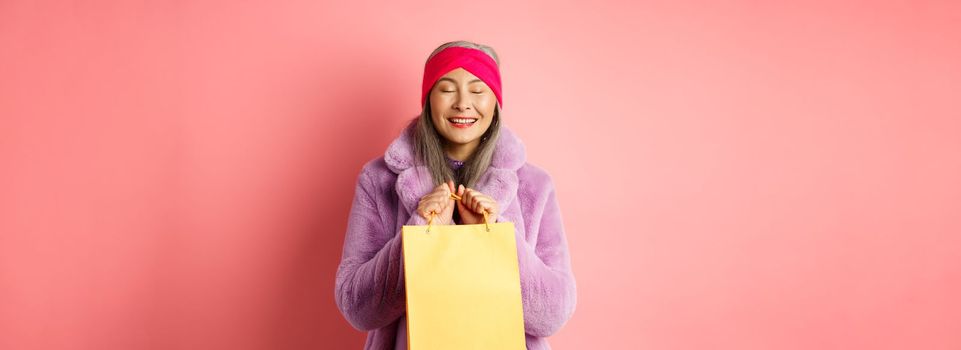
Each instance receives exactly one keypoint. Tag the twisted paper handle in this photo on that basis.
(456, 197)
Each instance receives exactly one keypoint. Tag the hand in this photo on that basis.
(440, 202)
(472, 205)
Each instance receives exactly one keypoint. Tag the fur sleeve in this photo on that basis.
(548, 289)
(369, 289)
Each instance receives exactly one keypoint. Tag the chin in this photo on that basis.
(462, 139)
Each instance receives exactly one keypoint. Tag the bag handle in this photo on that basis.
(456, 197)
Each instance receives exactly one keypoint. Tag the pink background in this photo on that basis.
(733, 175)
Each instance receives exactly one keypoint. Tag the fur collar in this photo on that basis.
(499, 182)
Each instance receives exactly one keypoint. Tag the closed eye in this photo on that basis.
(474, 92)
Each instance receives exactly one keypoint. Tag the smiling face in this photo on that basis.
(460, 94)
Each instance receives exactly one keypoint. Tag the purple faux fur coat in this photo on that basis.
(370, 290)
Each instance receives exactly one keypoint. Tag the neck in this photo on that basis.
(461, 151)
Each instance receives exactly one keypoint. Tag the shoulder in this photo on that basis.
(535, 184)
(376, 176)
(533, 176)
(375, 166)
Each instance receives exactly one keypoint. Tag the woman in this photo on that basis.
(457, 145)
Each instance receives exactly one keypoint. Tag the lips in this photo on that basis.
(462, 122)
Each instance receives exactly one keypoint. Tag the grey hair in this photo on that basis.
(429, 144)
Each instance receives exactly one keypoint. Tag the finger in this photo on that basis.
(480, 200)
(460, 190)
(433, 198)
(475, 194)
(453, 193)
(476, 204)
(438, 205)
(481, 207)
(489, 205)
(439, 197)
(494, 208)
(426, 210)
(477, 198)
(482, 197)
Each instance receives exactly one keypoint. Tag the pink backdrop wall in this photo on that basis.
(736, 175)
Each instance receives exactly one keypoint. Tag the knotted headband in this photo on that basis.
(472, 60)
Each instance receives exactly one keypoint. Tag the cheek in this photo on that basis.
(487, 103)
(437, 101)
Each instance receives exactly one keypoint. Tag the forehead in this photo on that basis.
(460, 75)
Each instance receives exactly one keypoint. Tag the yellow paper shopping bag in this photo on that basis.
(463, 287)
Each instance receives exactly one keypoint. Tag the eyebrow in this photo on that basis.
(455, 82)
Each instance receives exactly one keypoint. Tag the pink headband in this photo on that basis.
(473, 60)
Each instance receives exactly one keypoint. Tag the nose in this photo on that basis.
(461, 103)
